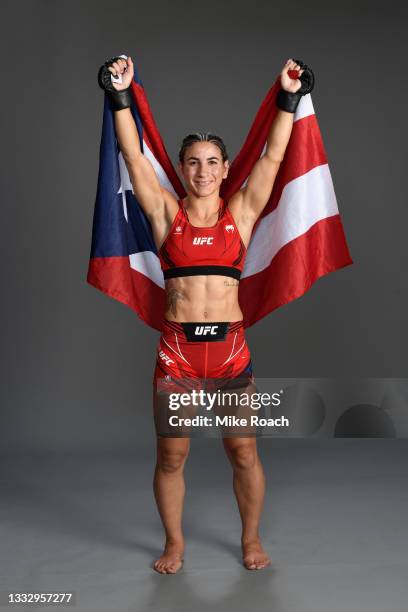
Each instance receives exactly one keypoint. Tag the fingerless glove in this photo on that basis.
(119, 99)
(288, 101)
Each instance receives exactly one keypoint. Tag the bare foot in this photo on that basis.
(171, 560)
(253, 555)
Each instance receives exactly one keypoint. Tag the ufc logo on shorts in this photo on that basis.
(203, 330)
(203, 240)
(165, 358)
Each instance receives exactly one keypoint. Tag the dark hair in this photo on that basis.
(203, 137)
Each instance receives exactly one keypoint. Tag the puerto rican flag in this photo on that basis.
(298, 238)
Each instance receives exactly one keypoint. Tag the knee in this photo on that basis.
(243, 457)
(171, 461)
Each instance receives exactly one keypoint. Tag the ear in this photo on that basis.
(226, 169)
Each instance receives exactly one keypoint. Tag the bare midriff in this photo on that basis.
(202, 298)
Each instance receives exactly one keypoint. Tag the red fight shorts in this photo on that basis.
(198, 351)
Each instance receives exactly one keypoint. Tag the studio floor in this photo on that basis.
(334, 524)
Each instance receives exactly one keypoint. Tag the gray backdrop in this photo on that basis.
(77, 365)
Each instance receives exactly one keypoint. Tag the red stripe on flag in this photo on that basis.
(294, 269)
(304, 152)
(115, 278)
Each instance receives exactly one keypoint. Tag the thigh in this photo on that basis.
(233, 408)
(172, 419)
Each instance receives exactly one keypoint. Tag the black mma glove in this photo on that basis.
(288, 101)
(119, 99)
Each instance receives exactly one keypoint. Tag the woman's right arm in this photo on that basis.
(145, 183)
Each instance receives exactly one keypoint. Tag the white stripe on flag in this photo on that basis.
(304, 201)
(305, 107)
(147, 263)
(160, 173)
(125, 184)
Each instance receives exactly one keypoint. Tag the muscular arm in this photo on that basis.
(278, 136)
(145, 183)
(262, 177)
(254, 197)
(159, 205)
(127, 135)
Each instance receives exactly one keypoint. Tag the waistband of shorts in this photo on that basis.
(173, 326)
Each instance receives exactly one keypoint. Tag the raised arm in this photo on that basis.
(145, 183)
(256, 193)
(258, 189)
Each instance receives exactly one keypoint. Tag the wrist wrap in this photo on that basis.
(119, 99)
(288, 101)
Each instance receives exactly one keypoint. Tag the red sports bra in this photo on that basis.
(189, 250)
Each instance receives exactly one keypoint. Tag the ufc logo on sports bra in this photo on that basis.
(203, 240)
(203, 330)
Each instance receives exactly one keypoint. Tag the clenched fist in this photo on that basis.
(297, 80)
(118, 92)
(288, 82)
(124, 68)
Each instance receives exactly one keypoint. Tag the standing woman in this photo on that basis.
(202, 242)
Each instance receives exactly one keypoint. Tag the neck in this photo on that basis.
(202, 207)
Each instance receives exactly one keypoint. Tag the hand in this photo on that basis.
(119, 94)
(124, 68)
(288, 83)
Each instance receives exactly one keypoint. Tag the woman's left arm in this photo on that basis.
(256, 193)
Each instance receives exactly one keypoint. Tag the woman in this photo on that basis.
(202, 242)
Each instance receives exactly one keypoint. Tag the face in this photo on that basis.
(203, 169)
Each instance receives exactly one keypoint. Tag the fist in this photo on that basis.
(291, 82)
(125, 69)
